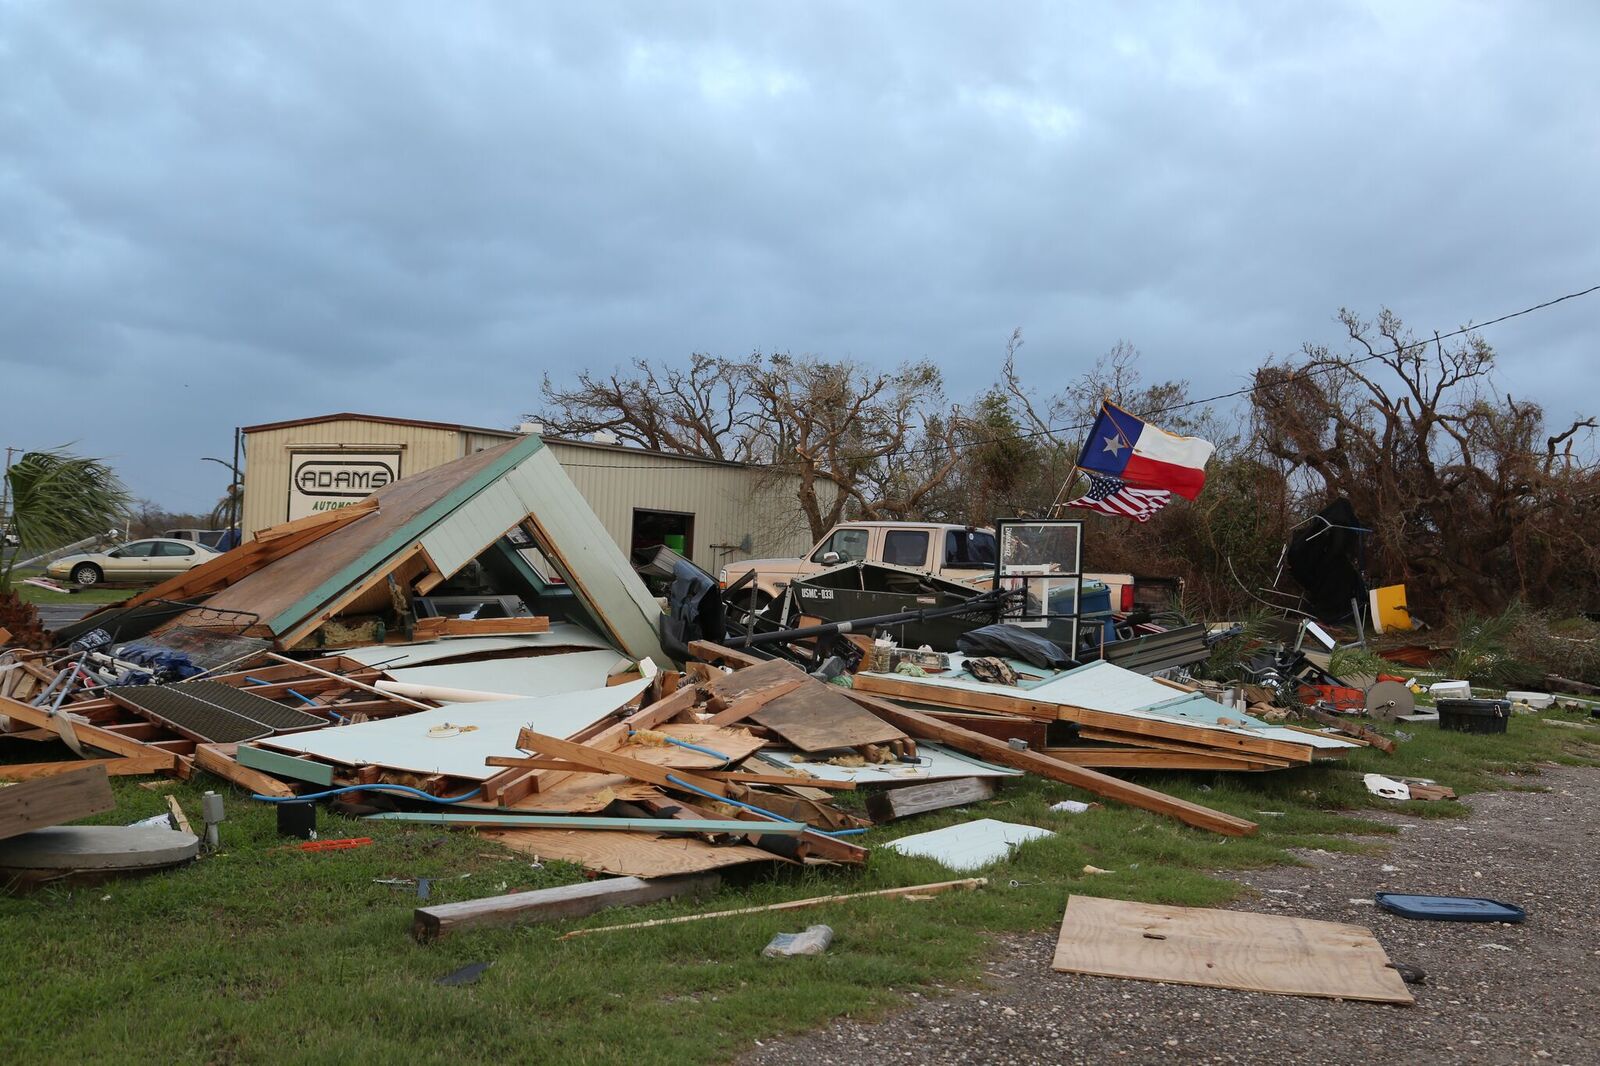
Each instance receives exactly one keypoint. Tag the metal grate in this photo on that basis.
(247, 704)
(195, 719)
(212, 711)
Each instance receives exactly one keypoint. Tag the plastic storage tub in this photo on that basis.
(1474, 716)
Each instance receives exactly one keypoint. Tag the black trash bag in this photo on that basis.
(1017, 643)
(696, 612)
(1325, 558)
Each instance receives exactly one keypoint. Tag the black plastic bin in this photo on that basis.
(1474, 716)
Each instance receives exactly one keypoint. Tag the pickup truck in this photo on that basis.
(959, 553)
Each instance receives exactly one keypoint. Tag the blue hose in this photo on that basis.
(691, 747)
(367, 788)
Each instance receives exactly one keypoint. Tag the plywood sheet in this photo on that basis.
(629, 854)
(403, 742)
(817, 717)
(1225, 949)
(538, 675)
(730, 687)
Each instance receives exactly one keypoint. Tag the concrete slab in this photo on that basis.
(97, 848)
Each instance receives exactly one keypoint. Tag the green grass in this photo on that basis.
(265, 953)
(93, 594)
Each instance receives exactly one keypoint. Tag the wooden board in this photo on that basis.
(433, 628)
(999, 726)
(628, 854)
(1225, 949)
(1147, 759)
(553, 904)
(731, 687)
(903, 802)
(54, 800)
(1130, 724)
(120, 767)
(818, 717)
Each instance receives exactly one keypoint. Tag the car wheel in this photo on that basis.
(86, 574)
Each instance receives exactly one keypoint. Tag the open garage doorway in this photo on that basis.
(652, 529)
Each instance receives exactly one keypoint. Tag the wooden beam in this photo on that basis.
(907, 800)
(434, 628)
(1155, 759)
(554, 904)
(217, 759)
(54, 800)
(93, 736)
(127, 765)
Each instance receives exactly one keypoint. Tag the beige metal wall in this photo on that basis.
(728, 502)
(266, 467)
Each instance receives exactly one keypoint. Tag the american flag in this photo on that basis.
(1112, 496)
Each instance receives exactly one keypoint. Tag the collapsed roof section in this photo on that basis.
(408, 539)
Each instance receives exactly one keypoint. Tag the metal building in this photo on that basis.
(712, 511)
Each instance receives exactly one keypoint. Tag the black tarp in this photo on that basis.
(1325, 558)
(1018, 643)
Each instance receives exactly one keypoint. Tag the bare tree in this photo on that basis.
(1465, 495)
(858, 441)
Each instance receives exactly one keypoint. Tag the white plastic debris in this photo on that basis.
(1070, 806)
(813, 941)
(1451, 690)
(1387, 787)
(1537, 700)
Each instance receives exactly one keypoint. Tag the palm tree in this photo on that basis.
(56, 498)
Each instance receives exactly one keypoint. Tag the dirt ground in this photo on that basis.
(1493, 994)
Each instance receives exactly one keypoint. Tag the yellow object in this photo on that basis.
(1389, 610)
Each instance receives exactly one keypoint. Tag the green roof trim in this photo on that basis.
(401, 539)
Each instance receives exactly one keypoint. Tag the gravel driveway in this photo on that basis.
(1494, 994)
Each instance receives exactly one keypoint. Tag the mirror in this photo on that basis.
(830, 558)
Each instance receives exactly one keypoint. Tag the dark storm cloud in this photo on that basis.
(218, 214)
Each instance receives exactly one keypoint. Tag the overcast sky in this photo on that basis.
(219, 214)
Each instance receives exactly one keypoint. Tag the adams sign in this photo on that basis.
(326, 481)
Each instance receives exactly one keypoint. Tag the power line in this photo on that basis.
(1051, 431)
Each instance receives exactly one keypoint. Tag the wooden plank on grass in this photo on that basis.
(553, 904)
(907, 800)
(54, 800)
(1225, 949)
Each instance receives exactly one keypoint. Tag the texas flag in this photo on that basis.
(1143, 455)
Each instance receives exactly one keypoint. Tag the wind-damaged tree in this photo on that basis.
(1473, 502)
(56, 498)
(875, 444)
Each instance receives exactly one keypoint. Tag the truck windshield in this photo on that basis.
(851, 544)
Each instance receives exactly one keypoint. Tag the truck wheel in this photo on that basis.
(86, 574)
